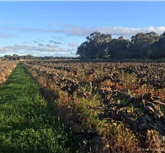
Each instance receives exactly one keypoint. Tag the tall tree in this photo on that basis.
(158, 48)
(95, 46)
(118, 48)
(140, 44)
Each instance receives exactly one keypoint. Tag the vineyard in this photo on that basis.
(104, 106)
(110, 107)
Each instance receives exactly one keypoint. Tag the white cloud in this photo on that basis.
(4, 35)
(34, 30)
(114, 31)
(35, 42)
(35, 50)
(158, 30)
(55, 42)
(73, 44)
(73, 30)
(118, 30)
(57, 37)
(40, 44)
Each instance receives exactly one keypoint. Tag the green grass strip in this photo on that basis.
(26, 123)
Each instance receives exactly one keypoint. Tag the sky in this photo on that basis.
(54, 28)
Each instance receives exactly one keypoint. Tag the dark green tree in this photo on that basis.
(118, 48)
(158, 48)
(95, 46)
(141, 43)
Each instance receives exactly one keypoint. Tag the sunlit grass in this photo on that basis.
(26, 123)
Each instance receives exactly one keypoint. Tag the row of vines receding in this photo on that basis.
(5, 70)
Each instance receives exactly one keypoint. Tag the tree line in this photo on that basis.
(31, 57)
(141, 46)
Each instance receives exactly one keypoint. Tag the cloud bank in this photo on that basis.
(5, 35)
(116, 31)
(40, 50)
(73, 30)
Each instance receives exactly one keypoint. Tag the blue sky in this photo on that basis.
(58, 28)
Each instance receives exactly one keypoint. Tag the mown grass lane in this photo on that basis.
(26, 123)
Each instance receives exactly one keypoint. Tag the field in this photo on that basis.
(74, 106)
